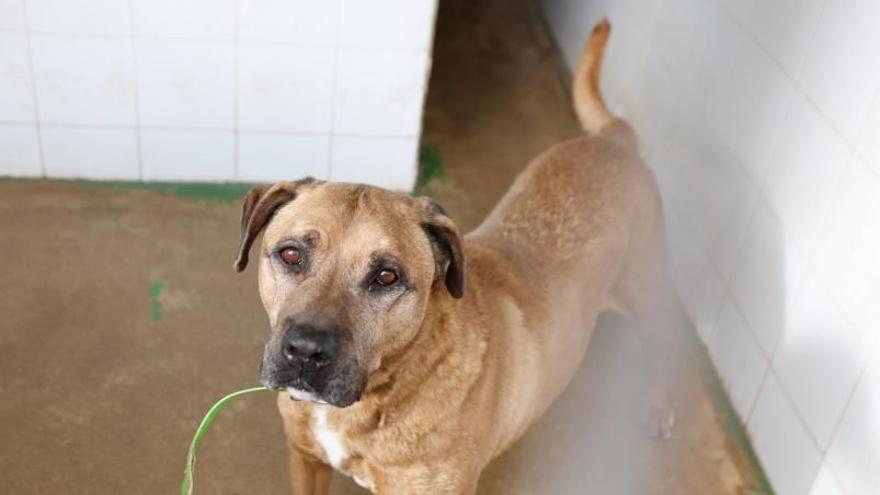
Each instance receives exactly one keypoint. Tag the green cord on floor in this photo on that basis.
(187, 487)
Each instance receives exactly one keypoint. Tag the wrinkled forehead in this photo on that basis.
(357, 217)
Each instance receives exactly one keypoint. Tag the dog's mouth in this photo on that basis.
(304, 396)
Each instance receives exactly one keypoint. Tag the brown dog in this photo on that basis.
(414, 356)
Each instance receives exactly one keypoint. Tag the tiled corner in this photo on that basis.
(184, 155)
(84, 80)
(826, 482)
(380, 92)
(186, 84)
(12, 15)
(855, 452)
(300, 22)
(191, 19)
(737, 357)
(787, 453)
(385, 162)
(16, 86)
(819, 359)
(386, 24)
(98, 153)
(281, 88)
(20, 151)
(841, 72)
(271, 157)
(81, 17)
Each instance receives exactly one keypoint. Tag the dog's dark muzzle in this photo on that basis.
(311, 361)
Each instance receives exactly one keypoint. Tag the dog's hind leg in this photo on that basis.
(646, 292)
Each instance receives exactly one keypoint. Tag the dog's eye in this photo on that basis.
(291, 256)
(386, 277)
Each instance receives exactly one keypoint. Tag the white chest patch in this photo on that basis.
(328, 439)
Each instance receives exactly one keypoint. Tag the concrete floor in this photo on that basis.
(123, 319)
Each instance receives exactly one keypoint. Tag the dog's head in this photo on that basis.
(346, 274)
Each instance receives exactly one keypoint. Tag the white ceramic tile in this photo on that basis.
(397, 24)
(804, 172)
(16, 85)
(380, 92)
(785, 28)
(744, 94)
(741, 9)
(826, 482)
(87, 17)
(787, 453)
(644, 13)
(181, 155)
(571, 21)
(841, 71)
(766, 278)
(869, 143)
(186, 84)
(12, 15)
(281, 88)
(854, 203)
(202, 19)
(658, 100)
(84, 80)
(93, 153)
(860, 279)
(302, 22)
(819, 360)
(737, 357)
(713, 192)
(274, 157)
(627, 55)
(703, 300)
(678, 22)
(733, 204)
(19, 151)
(386, 162)
(855, 453)
(695, 281)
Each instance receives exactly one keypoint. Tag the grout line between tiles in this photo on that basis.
(334, 104)
(137, 104)
(33, 74)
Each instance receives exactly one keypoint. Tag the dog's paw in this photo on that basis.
(660, 422)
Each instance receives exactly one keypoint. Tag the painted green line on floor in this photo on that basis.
(226, 192)
(156, 306)
(430, 169)
(730, 420)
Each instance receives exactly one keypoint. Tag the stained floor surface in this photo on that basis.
(123, 319)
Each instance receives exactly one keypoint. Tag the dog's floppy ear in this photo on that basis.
(257, 209)
(448, 246)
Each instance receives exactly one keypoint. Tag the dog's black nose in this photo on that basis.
(308, 346)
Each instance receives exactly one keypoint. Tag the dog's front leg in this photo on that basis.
(438, 481)
(309, 476)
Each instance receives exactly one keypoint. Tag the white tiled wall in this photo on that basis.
(761, 120)
(213, 90)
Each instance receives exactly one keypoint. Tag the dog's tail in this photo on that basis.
(588, 102)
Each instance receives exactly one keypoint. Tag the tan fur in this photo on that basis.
(454, 382)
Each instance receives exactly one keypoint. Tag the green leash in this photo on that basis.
(187, 487)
